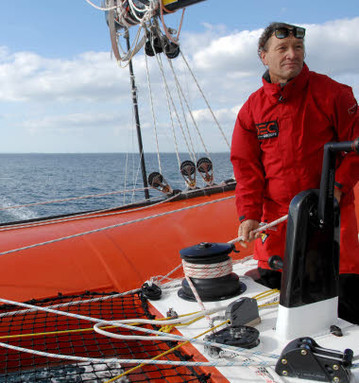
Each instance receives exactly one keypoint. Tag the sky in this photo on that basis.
(62, 91)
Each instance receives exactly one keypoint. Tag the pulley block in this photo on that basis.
(171, 50)
(205, 169)
(158, 182)
(188, 171)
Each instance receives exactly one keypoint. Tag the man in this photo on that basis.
(277, 152)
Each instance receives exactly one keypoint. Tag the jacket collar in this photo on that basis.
(277, 92)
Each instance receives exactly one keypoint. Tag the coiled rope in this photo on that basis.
(204, 271)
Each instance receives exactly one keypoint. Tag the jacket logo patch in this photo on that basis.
(267, 130)
(264, 237)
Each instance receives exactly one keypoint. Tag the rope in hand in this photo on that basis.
(262, 228)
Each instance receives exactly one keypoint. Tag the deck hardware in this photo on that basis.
(209, 267)
(188, 171)
(171, 313)
(320, 364)
(157, 181)
(241, 336)
(243, 311)
(335, 330)
(205, 169)
(151, 291)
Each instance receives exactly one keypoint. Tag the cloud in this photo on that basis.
(89, 91)
(71, 122)
(333, 47)
(25, 76)
(235, 53)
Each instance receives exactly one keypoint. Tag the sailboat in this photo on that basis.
(77, 289)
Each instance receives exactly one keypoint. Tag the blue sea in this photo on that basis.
(32, 178)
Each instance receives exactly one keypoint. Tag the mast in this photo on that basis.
(137, 119)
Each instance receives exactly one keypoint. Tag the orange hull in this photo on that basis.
(120, 258)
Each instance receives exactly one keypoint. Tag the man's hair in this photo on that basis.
(268, 32)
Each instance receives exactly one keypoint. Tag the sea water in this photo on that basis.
(27, 179)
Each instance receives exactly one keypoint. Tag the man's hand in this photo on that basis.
(245, 230)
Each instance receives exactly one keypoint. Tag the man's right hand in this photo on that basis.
(245, 230)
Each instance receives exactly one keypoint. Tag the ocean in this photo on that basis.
(27, 179)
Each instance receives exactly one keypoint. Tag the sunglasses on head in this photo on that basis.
(283, 32)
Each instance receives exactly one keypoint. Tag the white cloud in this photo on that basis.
(25, 76)
(71, 122)
(89, 91)
(333, 47)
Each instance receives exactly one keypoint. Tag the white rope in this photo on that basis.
(179, 88)
(148, 11)
(262, 228)
(71, 303)
(173, 130)
(207, 271)
(92, 214)
(153, 113)
(97, 212)
(69, 199)
(128, 327)
(180, 96)
(134, 361)
(167, 32)
(114, 226)
(101, 8)
(173, 107)
(157, 279)
(205, 99)
(160, 336)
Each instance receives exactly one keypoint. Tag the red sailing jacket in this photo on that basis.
(277, 152)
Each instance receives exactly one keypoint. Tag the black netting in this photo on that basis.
(59, 334)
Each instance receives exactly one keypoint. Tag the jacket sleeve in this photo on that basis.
(247, 166)
(346, 122)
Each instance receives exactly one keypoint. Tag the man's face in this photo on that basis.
(284, 58)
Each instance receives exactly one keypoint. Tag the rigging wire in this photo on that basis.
(173, 108)
(179, 88)
(153, 113)
(205, 100)
(180, 97)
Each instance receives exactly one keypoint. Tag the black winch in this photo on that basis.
(210, 256)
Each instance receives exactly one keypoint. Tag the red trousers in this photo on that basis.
(273, 241)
